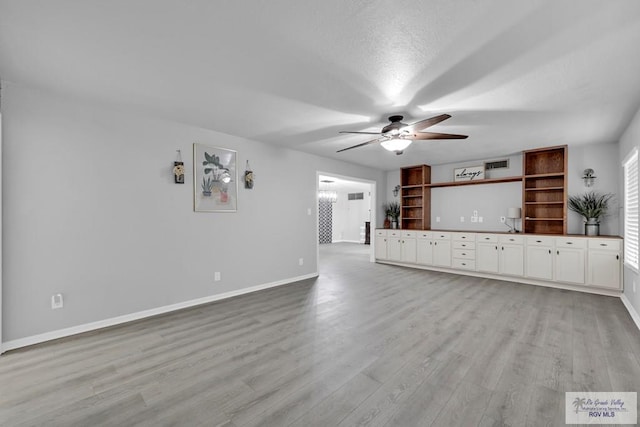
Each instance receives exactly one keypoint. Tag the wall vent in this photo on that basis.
(356, 196)
(498, 164)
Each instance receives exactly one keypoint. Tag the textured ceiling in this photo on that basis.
(513, 74)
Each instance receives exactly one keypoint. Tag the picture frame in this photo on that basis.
(469, 173)
(215, 179)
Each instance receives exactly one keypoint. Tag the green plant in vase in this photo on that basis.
(592, 206)
(393, 211)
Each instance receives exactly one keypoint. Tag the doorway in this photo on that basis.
(346, 214)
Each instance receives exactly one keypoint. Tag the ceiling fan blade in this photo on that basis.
(362, 133)
(373, 141)
(435, 135)
(423, 124)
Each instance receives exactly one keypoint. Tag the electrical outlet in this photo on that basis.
(216, 276)
(503, 219)
(461, 219)
(474, 219)
(437, 219)
(480, 219)
(308, 211)
(301, 261)
(57, 301)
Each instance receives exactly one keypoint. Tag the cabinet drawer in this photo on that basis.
(486, 238)
(463, 237)
(424, 235)
(409, 234)
(605, 244)
(442, 235)
(394, 233)
(570, 242)
(463, 264)
(464, 254)
(510, 238)
(381, 233)
(540, 241)
(464, 245)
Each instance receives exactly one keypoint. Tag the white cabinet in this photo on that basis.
(594, 262)
(424, 248)
(381, 244)
(570, 260)
(464, 251)
(487, 254)
(442, 249)
(511, 255)
(539, 258)
(408, 249)
(394, 245)
(605, 263)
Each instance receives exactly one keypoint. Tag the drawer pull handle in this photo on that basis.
(464, 246)
(603, 244)
(463, 253)
(549, 251)
(496, 248)
(486, 238)
(464, 237)
(538, 241)
(558, 252)
(464, 263)
(617, 256)
(569, 243)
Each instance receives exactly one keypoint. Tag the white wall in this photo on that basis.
(603, 159)
(91, 211)
(630, 140)
(350, 215)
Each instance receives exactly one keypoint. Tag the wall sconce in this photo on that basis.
(395, 191)
(588, 177)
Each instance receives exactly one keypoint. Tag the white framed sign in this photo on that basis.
(471, 173)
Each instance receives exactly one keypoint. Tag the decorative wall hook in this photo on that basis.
(178, 169)
(248, 177)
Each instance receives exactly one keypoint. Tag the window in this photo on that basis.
(630, 170)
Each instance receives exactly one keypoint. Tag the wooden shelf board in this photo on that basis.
(412, 186)
(416, 206)
(483, 181)
(412, 196)
(544, 203)
(544, 219)
(412, 219)
(543, 188)
(545, 175)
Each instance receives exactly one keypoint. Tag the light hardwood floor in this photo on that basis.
(364, 344)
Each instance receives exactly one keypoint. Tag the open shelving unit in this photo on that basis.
(415, 197)
(544, 190)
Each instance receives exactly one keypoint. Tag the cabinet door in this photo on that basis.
(512, 259)
(442, 253)
(424, 251)
(487, 257)
(570, 265)
(604, 269)
(381, 247)
(394, 249)
(409, 250)
(539, 262)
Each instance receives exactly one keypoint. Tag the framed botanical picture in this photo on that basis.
(215, 179)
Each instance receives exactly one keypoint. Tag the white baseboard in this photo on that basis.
(87, 327)
(632, 311)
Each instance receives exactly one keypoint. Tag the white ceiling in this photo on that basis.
(513, 74)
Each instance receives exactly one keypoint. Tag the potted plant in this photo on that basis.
(207, 186)
(387, 215)
(393, 211)
(592, 206)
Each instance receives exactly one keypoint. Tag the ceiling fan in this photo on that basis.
(397, 136)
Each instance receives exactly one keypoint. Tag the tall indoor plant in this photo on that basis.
(592, 206)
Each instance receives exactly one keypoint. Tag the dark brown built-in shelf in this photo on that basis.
(482, 181)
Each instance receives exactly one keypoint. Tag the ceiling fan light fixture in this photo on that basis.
(396, 144)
